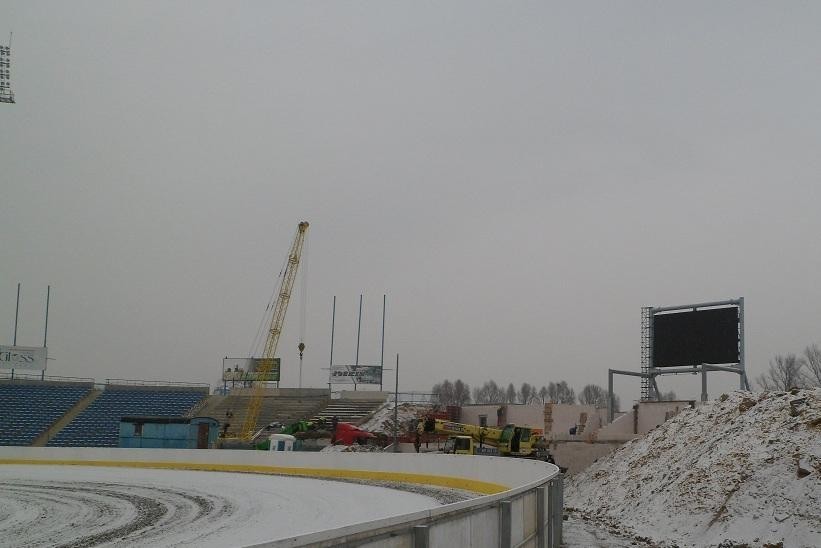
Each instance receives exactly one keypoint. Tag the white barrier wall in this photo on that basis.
(521, 507)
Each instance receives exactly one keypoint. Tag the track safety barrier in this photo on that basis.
(520, 505)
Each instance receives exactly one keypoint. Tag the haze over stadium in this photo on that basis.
(520, 182)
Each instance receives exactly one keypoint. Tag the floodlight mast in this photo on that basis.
(249, 426)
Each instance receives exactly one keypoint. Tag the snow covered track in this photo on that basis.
(164, 498)
(72, 506)
(38, 512)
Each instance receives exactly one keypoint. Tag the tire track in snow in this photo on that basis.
(87, 514)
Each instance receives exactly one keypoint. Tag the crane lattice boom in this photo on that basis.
(277, 320)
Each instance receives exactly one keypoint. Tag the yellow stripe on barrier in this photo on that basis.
(484, 487)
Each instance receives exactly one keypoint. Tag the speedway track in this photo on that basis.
(78, 506)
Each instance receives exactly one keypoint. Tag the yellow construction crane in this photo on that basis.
(249, 426)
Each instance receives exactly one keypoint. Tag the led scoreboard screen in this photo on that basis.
(696, 337)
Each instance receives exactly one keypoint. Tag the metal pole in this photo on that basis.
(358, 332)
(421, 536)
(541, 517)
(382, 355)
(743, 382)
(703, 383)
(505, 524)
(610, 411)
(396, 409)
(16, 315)
(358, 329)
(333, 322)
(45, 331)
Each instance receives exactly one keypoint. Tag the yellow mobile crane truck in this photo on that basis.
(469, 439)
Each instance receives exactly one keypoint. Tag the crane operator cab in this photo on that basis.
(459, 445)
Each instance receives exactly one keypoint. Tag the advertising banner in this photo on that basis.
(248, 369)
(356, 374)
(23, 357)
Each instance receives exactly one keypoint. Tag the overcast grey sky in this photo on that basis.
(519, 178)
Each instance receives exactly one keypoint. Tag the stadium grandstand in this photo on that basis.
(79, 412)
(71, 412)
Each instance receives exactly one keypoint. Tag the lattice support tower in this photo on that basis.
(646, 351)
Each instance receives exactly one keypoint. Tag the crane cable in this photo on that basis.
(303, 297)
(257, 342)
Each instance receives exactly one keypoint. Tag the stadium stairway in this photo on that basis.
(42, 439)
(350, 410)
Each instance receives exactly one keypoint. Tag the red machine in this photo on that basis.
(348, 434)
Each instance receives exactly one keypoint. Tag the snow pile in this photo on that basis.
(382, 418)
(745, 469)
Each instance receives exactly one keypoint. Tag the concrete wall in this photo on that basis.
(522, 507)
(644, 417)
(654, 413)
(620, 429)
(521, 415)
(561, 417)
(576, 455)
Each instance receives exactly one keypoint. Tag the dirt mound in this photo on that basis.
(382, 419)
(745, 469)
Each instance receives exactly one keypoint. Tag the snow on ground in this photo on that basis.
(79, 506)
(580, 533)
(743, 470)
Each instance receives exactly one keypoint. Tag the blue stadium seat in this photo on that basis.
(98, 425)
(27, 410)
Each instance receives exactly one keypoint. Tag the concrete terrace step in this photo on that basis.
(285, 408)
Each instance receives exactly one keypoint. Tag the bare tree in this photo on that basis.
(543, 394)
(443, 392)
(561, 393)
(451, 393)
(461, 393)
(510, 394)
(489, 392)
(812, 363)
(526, 393)
(785, 372)
(593, 395)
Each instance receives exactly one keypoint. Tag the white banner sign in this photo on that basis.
(23, 357)
(356, 374)
(247, 369)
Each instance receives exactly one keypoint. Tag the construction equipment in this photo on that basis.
(249, 425)
(469, 439)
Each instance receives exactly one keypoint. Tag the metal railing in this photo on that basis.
(140, 382)
(444, 526)
(38, 377)
(414, 397)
